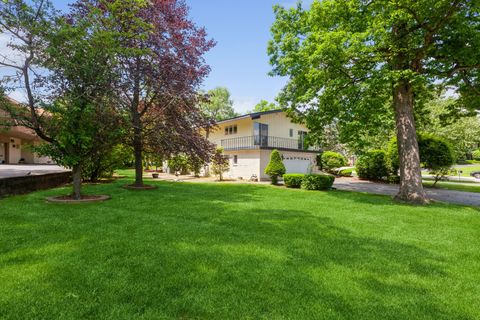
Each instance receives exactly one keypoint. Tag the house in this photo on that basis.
(248, 141)
(16, 143)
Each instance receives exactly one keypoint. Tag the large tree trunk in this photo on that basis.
(137, 149)
(77, 182)
(411, 188)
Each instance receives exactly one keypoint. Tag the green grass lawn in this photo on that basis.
(468, 169)
(458, 186)
(230, 251)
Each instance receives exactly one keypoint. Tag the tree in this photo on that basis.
(70, 105)
(275, 168)
(220, 163)
(365, 63)
(460, 128)
(264, 105)
(436, 155)
(161, 67)
(218, 105)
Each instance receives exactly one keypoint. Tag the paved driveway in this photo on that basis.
(19, 170)
(458, 197)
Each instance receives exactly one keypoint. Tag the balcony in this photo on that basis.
(265, 142)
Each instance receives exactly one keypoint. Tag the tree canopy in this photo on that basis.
(368, 65)
(264, 105)
(218, 104)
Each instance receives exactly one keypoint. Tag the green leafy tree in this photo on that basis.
(461, 129)
(275, 168)
(366, 63)
(264, 105)
(71, 107)
(179, 164)
(218, 104)
(220, 163)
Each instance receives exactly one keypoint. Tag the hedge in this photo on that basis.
(332, 160)
(373, 165)
(317, 182)
(293, 180)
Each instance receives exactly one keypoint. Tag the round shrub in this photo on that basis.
(476, 155)
(293, 180)
(317, 182)
(332, 160)
(372, 165)
(435, 153)
(275, 167)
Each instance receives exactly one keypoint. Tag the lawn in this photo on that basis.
(231, 251)
(458, 186)
(466, 170)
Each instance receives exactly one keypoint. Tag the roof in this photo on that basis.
(254, 115)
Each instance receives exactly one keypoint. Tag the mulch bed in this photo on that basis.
(84, 199)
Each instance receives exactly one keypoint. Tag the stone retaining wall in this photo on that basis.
(26, 184)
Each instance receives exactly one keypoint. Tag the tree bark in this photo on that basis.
(137, 149)
(77, 182)
(411, 188)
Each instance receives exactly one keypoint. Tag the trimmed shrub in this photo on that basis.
(293, 180)
(476, 155)
(373, 165)
(275, 167)
(332, 160)
(436, 154)
(317, 182)
(346, 172)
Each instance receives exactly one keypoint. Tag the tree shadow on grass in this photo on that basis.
(211, 252)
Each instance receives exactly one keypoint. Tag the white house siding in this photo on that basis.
(248, 164)
(290, 156)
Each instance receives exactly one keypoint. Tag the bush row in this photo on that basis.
(308, 181)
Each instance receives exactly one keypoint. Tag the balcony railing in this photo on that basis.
(264, 142)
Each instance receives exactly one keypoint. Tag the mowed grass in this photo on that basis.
(457, 186)
(466, 170)
(230, 251)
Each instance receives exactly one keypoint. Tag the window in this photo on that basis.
(230, 130)
(291, 132)
(235, 159)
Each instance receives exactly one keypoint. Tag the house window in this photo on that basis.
(291, 133)
(235, 159)
(231, 130)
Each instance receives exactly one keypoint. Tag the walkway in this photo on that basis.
(457, 197)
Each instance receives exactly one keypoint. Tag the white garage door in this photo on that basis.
(296, 166)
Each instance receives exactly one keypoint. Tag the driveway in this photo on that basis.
(20, 170)
(457, 197)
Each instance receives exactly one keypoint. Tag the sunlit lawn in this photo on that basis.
(229, 251)
(466, 170)
(457, 186)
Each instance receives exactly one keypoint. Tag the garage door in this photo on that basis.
(296, 165)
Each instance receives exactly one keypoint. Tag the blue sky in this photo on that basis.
(239, 61)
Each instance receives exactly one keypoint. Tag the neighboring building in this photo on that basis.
(15, 145)
(248, 140)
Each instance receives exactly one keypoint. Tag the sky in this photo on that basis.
(239, 61)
